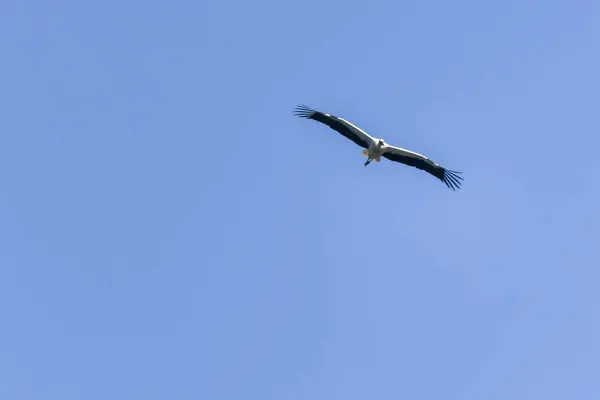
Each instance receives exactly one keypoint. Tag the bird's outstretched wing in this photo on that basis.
(450, 178)
(344, 127)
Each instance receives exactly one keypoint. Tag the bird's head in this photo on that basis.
(380, 143)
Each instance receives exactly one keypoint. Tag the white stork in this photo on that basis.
(376, 148)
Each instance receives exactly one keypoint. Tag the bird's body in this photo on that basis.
(374, 152)
(375, 148)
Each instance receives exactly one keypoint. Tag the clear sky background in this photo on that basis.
(169, 230)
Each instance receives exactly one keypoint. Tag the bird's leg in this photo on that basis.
(366, 153)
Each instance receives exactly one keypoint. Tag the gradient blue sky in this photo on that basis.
(170, 230)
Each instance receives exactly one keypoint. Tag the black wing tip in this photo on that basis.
(452, 179)
(303, 111)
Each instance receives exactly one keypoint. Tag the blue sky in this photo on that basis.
(170, 230)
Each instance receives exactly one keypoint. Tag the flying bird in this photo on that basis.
(375, 148)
